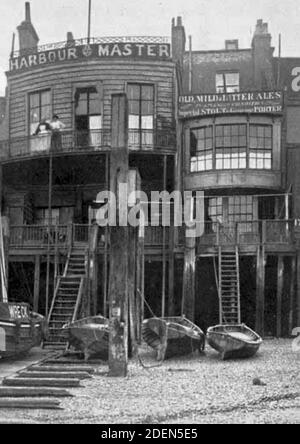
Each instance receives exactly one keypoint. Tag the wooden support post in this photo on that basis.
(280, 276)
(171, 302)
(260, 291)
(118, 273)
(298, 289)
(132, 233)
(188, 297)
(106, 234)
(37, 276)
(292, 293)
(140, 285)
(164, 256)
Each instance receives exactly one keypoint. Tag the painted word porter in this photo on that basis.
(248, 102)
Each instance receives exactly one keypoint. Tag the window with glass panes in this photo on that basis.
(215, 212)
(39, 108)
(202, 149)
(260, 153)
(241, 209)
(231, 147)
(227, 82)
(88, 116)
(141, 114)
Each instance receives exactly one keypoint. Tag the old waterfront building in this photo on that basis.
(239, 119)
(223, 122)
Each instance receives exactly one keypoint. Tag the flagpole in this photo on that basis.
(89, 21)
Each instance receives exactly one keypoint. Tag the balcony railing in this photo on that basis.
(83, 141)
(263, 232)
(39, 236)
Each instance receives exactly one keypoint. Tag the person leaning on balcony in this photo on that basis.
(56, 126)
(43, 128)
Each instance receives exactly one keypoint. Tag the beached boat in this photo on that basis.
(234, 341)
(20, 329)
(90, 335)
(174, 336)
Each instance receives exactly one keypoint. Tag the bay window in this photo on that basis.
(260, 147)
(231, 147)
(202, 149)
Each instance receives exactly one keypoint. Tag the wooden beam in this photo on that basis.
(37, 404)
(189, 279)
(171, 302)
(140, 284)
(131, 289)
(41, 382)
(260, 291)
(298, 288)
(118, 270)
(293, 276)
(36, 287)
(33, 392)
(280, 277)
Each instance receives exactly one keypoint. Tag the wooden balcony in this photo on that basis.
(273, 235)
(79, 142)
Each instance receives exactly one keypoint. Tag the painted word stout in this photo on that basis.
(246, 102)
(94, 51)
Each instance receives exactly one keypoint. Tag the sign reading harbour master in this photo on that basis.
(93, 51)
(246, 102)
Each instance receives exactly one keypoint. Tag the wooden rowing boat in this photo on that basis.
(173, 336)
(20, 329)
(234, 341)
(90, 335)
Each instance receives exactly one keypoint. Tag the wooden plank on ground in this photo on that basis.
(33, 392)
(34, 403)
(61, 368)
(54, 375)
(41, 382)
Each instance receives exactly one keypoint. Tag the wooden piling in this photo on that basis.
(36, 289)
(260, 291)
(280, 276)
(118, 272)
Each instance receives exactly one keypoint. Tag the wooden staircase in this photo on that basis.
(229, 286)
(66, 300)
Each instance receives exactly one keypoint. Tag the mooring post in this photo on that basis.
(118, 270)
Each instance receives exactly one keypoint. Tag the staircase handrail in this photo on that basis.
(54, 298)
(67, 263)
(79, 299)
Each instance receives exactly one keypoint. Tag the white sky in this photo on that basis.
(210, 22)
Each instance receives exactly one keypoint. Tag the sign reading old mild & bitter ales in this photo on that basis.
(246, 102)
(155, 51)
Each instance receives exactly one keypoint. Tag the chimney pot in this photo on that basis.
(27, 12)
(179, 21)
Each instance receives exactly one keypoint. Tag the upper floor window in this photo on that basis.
(231, 147)
(141, 114)
(260, 147)
(228, 82)
(202, 149)
(88, 115)
(39, 109)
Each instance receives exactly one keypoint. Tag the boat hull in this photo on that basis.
(18, 336)
(172, 337)
(234, 341)
(90, 336)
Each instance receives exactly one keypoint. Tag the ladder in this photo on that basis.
(64, 305)
(229, 286)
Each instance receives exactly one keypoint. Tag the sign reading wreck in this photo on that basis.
(93, 51)
(247, 102)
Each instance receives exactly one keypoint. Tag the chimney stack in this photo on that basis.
(262, 55)
(28, 38)
(178, 40)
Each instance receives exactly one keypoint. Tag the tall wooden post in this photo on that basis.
(36, 290)
(280, 275)
(260, 291)
(118, 273)
(188, 297)
(140, 284)
(298, 289)
(171, 304)
(292, 293)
